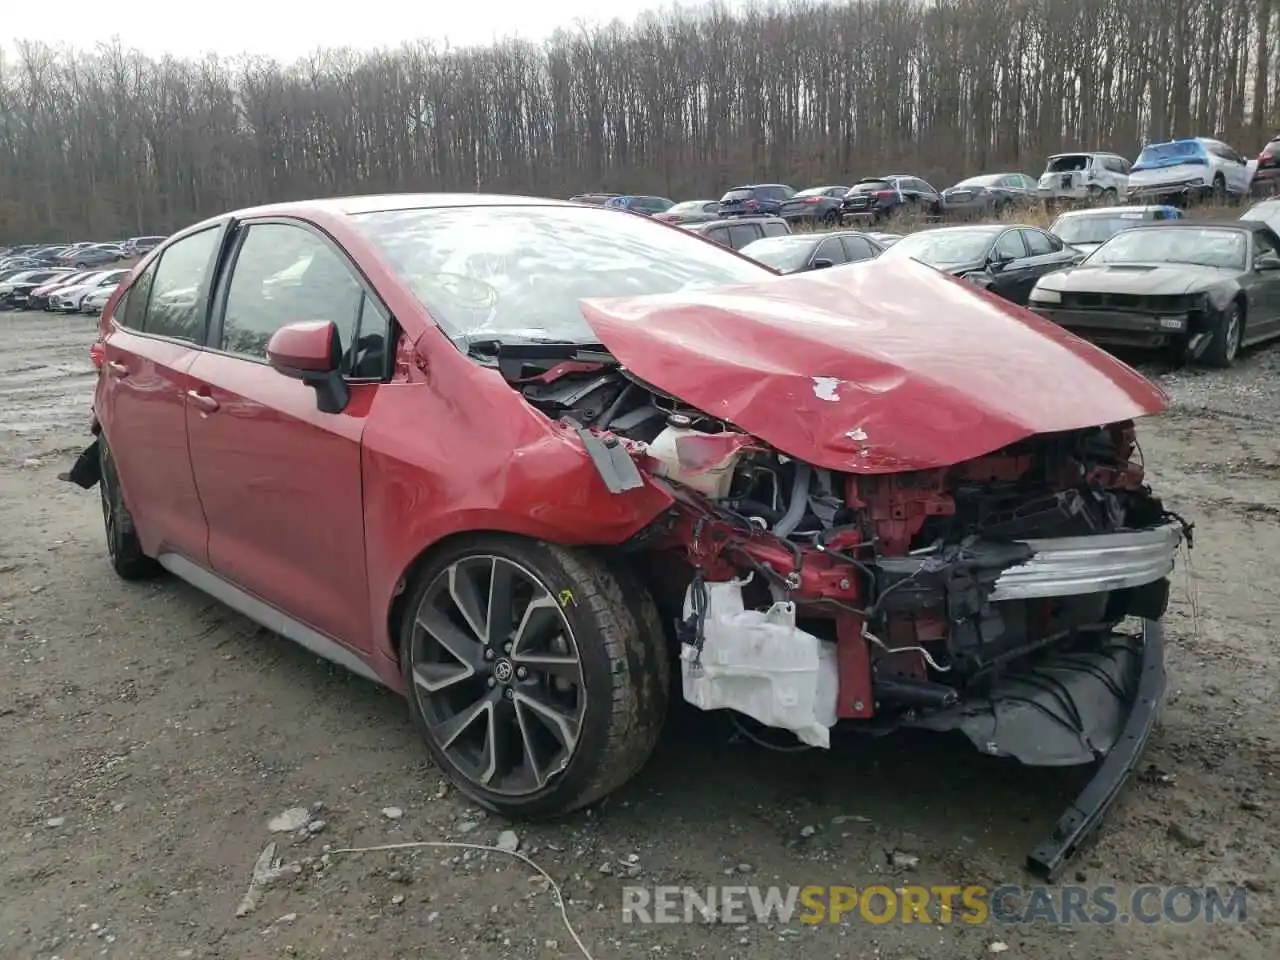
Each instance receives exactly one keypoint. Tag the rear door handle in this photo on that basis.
(203, 400)
(117, 369)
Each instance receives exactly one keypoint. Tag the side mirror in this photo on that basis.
(1266, 261)
(822, 263)
(997, 262)
(312, 352)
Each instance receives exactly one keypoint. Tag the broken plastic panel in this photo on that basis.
(760, 664)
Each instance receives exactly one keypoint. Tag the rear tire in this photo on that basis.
(555, 705)
(1109, 197)
(1228, 331)
(1219, 190)
(123, 546)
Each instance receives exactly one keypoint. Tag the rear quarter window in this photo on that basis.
(776, 230)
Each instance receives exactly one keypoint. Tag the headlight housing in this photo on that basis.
(1045, 296)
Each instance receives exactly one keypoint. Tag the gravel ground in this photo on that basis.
(148, 735)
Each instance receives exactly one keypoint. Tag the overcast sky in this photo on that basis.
(290, 28)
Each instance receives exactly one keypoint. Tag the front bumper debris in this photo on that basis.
(1050, 857)
(1070, 709)
(1071, 566)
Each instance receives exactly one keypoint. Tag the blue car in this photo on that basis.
(645, 205)
(1086, 230)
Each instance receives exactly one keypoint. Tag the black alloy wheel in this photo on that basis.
(537, 675)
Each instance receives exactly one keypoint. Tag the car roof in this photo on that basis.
(1131, 208)
(1250, 225)
(814, 237)
(707, 224)
(980, 228)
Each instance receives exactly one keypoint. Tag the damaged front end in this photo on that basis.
(990, 597)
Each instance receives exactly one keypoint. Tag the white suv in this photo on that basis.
(1084, 176)
(1196, 168)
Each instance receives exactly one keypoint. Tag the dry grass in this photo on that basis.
(1033, 216)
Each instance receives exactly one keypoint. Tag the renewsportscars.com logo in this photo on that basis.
(972, 904)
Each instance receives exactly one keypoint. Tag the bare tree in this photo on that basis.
(682, 103)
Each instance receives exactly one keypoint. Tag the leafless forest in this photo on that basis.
(109, 142)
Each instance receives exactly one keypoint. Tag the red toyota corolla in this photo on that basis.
(520, 459)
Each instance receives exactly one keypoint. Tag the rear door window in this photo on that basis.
(175, 304)
(857, 248)
(743, 233)
(1039, 244)
(830, 249)
(1010, 245)
(720, 235)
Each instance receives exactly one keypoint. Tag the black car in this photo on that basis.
(16, 291)
(755, 200)
(877, 198)
(1202, 288)
(815, 205)
(801, 252)
(739, 231)
(1008, 260)
(990, 194)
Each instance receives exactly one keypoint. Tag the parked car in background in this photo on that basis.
(737, 232)
(755, 199)
(69, 298)
(1004, 259)
(94, 255)
(1267, 211)
(1197, 168)
(814, 205)
(595, 199)
(800, 252)
(95, 301)
(1087, 229)
(38, 299)
(690, 211)
(1266, 168)
(878, 198)
(884, 239)
(20, 263)
(989, 194)
(48, 255)
(640, 204)
(136, 246)
(1201, 288)
(15, 291)
(1084, 175)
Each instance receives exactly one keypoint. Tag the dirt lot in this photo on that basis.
(147, 735)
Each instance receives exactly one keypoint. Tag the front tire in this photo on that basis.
(537, 675)
(1228, 331)
(123, 546)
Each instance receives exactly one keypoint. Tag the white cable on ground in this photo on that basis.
(418, 844)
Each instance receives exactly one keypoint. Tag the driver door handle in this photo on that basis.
(203, 401)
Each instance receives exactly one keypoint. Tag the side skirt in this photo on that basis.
(264, 614)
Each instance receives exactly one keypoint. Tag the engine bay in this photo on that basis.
(893, 580)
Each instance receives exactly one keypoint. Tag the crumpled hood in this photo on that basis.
(875, 367)
(1151, 278)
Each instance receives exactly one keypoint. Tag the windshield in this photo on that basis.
(1265, 211)
(984, 181)
(1169, 154)
(1072, 161)
(941, 248)
(781, 253)
(1094, 229)
(519, 272)
(870, 186)
(737, 195)
(689, 206)
(1204, 247)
